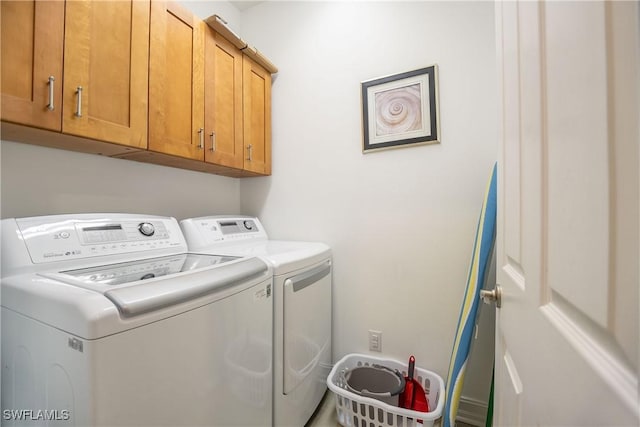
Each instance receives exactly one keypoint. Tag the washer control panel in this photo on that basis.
(146, 228)
(56, 238)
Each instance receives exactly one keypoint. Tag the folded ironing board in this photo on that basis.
(480, 261)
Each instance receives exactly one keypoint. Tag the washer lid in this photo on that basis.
(142, 286)
(92, 314)
(106, 276)
(149, 296)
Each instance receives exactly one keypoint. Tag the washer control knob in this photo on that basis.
(249, 225)
(146, 228)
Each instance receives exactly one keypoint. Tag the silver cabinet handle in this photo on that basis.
(201, 140)
(50, 106)
(249, 149)
(79, 102)
(213, 142)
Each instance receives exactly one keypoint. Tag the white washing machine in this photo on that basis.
(107, 321)
(302, 306)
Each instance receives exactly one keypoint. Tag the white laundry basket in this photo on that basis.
(357, 411)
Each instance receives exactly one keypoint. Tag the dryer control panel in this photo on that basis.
(61, 237)
(203, 232)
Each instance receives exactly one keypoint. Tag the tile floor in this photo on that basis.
(325, 416)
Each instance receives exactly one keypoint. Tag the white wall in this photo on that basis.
(43, 181)
(401, 222)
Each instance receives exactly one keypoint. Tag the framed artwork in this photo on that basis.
(401, 110)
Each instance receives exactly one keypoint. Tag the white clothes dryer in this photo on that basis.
(302, 306)
(108, 321)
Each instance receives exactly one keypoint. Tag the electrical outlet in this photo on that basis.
(375, 340)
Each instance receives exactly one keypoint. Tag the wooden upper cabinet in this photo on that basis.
(176, 81)
(32, 35)
(223, 101)
(106, 69)
(134, 74)
(257, 117)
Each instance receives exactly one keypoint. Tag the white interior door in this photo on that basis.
(568, 214)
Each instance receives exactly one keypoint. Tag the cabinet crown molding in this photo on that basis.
(219, 25)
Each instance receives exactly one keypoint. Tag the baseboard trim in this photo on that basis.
(472, 411)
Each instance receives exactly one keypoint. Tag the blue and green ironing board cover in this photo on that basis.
(480, 262)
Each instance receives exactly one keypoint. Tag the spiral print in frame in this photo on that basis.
(400, 110)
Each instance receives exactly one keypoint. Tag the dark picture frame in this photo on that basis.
(401, 110)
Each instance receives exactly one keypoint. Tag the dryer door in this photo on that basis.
(307, 325)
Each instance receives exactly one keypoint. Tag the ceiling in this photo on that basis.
(243, 4)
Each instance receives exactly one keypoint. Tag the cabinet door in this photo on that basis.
(223, 101)
(106, 71)
(32, 42)
(176, 82)
(257, 117)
